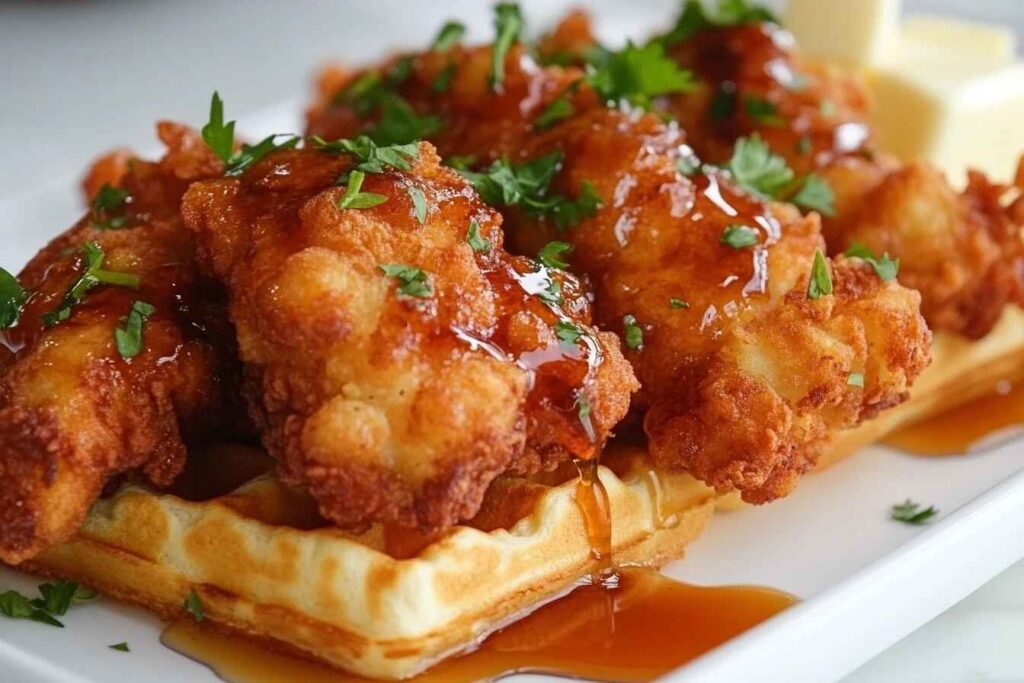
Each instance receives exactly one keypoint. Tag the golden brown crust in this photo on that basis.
(392, 407)
(73, 411)
(657, 236)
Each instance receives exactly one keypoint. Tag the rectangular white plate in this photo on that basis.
(866, 581)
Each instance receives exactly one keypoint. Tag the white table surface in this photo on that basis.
(77, 78)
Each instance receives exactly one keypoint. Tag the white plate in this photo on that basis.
(866, 581)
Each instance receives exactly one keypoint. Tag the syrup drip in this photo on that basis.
(970, 428)
(592, 498)
(639, 629)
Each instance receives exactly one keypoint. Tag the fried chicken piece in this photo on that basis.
(397, 358)
(962, 251)
(73, 410)
(743, 377)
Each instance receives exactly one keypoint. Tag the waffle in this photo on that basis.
(265, 565)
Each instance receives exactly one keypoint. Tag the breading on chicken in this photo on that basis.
(82, 397)
(964, 252)
(397, 358)
(743, 375)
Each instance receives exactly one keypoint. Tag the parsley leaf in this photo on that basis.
(129, 339)
(723, 104)
(508, 24)
(550, 254)
(58, 597)
(559, 109)
(817, 195)
(820, 283)
(638, 74)
(762, 111)
(12, 298)
(856, 379)
(694, 19)
(194, 606)
(92, 276)
(740, 236)
(373, 158)
(567, 332)
(756, 169)
(634, 334)
(250, 154)
(419, 204)
(583, 413)
(568, 213)
(399, 123)
(551, 293)
(450, 34)
(354, 198)
(738, 12)
(120, 647)
(443, 81)
(475, 241)
(885, 267)
(219, 136)
(804, 145)
(16, 606)
(414, 281)
(108, 201)
(910, 512)
(678, 303)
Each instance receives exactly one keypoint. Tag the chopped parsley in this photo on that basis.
(817, 195)
(220, 138)
(886, 268)
(552, 293)
(804, 145)
(634, 334)
(354, 198)
(678, 303)
(762, 111)
(55, 600)
(567, 332)
(108, 208)
(120, 647)
(12, 298)
(638, 74)
(373, 158)
(475, 241)
(583, 413)
(827, 108)
(551, 253)
(723, 104)
(856, 379)
(413, 281)
(93, 275)
(559, 109)
(508, 24)
(913, 513)
(450, 34)
(695, 19)
(193, 605)
(756, 169)
(397, 122)
(526, 186)
(687, 166)
(443, 81)
(820, 283)
(129, 339)
(740, 236)
(419, 204)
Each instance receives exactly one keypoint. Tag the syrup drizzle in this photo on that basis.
(636, 630)
(592, 498)
(973, 427)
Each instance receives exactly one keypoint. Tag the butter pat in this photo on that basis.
(963, 37)
(853, 32)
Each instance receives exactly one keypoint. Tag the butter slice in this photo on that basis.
(965, 37)
(957, 109)
(853, 32)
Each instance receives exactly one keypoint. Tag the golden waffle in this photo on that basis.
(264, 565)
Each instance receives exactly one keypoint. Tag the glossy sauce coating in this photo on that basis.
(636, 631)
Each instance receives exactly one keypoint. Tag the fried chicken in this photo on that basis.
(397, 358)
(744, 377)
(962, 251)
(81, 398)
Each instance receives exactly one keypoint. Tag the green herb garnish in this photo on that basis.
(550, 254)
(373, 158)
(559, 109)
(695, 19)
(12, 298)
(120, 647)
(568, 332)
(108, 208)
(55, 600)
(93, 275)
(413, 281)
(450, 34)
(129, 339)
(740, 236)
(444, 78)
(886, 268)
(354, 198)
(762, 111)
(193, 605)
(756, 169)
(678, 303)
(419, 204)
(910, 512)
(817, 195)
(634, 334)
(638, 74)
(475, 241)
(220, 138)
(856, 379)
(820, 283)
(508, 24)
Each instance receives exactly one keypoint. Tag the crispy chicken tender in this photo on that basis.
(743, 377)
(962, 251)
(73, 411)
(396, 402)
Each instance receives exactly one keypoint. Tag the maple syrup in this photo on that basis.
(636, 630)
(592, 499)
(968, 428)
